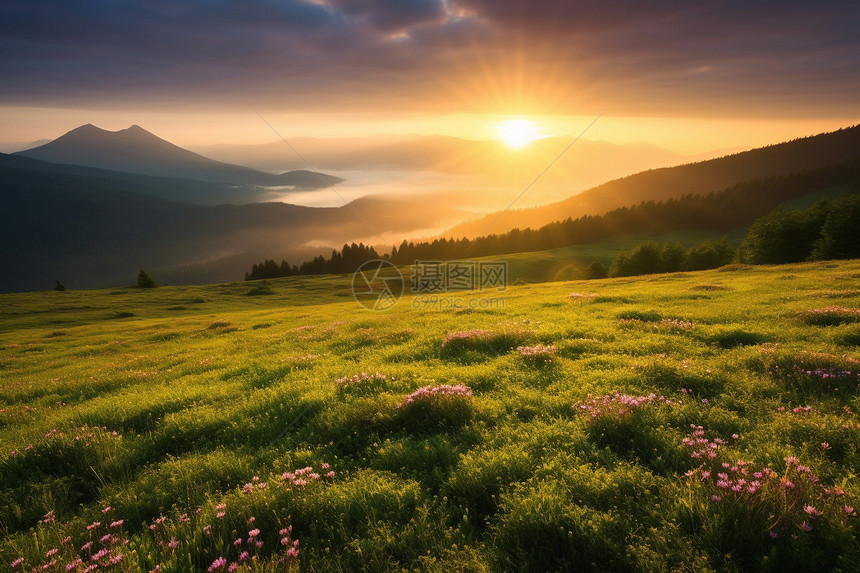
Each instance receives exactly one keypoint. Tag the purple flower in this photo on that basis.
(217, 564)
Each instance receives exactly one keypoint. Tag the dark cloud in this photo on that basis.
(660, 56)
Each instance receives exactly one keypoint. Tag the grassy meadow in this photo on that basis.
(690, 422)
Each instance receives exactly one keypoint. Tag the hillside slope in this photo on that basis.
(695, 178)
(691, 422)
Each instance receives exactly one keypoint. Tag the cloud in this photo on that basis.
(436, 55)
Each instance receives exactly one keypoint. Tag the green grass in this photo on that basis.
(191, 410)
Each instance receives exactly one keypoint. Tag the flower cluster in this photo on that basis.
(538, 351)
(300, 477)
(619, 404)
(830, 315)
(464, 335)
(792, 501)
(581, 295)
(363, 377)
(103, 545)
(702, 447)
(85, 436)
(431, 392)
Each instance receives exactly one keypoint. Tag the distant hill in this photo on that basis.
(18, 167)
(135, 150)
(694, 178)
(95, 228)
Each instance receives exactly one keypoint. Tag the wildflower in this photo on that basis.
(735, 436)
(105, 538)
(716, 498)
(73, 566)
(259, 544)
(292, 553)
(66, 541)
(220, 515)
(849, 511)
(116, 559)
(233, 567)
(49, 517)
(825, 445)
(811, 511)
(93, 525)
(325, 466)
(238, 542)
(117, 523)
(173, 543)
(86, 546)
(217, 564)
(207, 530)
(254, 533)
(244, 555)
(51, 552)
(184, 518)
(107, 509)
(428, 392)
(219, 507)
(791, 460)
(805, 526)
(251, 520)
(330, 474)
(773, 534)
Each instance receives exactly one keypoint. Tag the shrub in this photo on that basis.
(145, 281)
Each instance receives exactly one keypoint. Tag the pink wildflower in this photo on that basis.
(810, 510)
(217, 564)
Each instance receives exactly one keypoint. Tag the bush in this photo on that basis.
(145, 281)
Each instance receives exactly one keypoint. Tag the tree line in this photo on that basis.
(724, 210)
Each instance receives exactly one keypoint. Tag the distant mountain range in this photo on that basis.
(693, 178)
(91, 226)
(95, 228)
(135, 150)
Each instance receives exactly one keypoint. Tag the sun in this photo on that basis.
(517, 133)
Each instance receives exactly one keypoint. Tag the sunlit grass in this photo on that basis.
(540, 436)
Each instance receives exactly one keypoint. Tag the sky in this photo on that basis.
(686, 75)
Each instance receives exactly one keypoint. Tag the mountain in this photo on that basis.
(95, 228)
(14, 167)
(694, 178)
(13, 146)
(135, 150)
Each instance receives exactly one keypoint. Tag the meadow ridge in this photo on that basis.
(701, 421)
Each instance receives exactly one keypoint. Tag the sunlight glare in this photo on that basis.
(517, 132)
